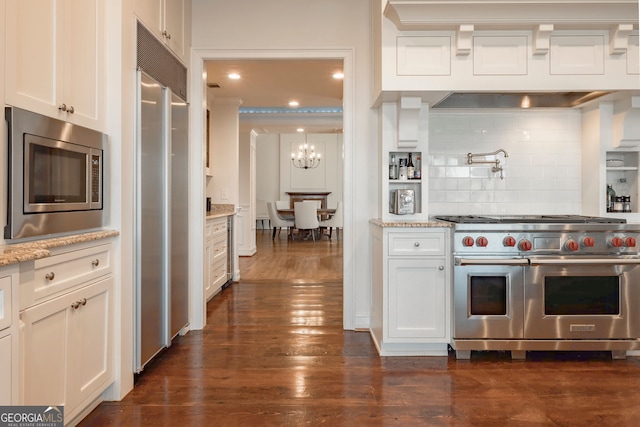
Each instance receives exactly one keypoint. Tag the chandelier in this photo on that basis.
(306, 158)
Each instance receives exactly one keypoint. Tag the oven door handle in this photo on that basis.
(491, 261)
(585, 261)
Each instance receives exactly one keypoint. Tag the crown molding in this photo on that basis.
(511, 14)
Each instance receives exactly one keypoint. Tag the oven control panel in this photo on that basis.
(544, 242)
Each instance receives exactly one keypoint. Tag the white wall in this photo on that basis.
(268, 167)
(542, 174)
(281, 26)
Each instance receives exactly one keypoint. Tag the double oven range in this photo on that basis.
(552, 282)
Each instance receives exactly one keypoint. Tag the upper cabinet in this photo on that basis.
(170, 21)
(511, 45)
(55, 59)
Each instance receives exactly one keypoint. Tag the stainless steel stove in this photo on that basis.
(545, 282)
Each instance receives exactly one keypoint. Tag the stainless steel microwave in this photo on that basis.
(56, 176)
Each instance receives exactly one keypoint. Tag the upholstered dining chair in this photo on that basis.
(306, 217)
(334, 222)
(282, 204)
(277, 222)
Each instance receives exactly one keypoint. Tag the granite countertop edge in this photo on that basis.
(409, 224)
(28, 251)
(220, 210)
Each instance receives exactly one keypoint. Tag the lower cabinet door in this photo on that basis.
(416, 299)
(44, 350)
(68, 346)
(6, 373)
(90, 360)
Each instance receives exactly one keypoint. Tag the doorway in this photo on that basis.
(198, 74)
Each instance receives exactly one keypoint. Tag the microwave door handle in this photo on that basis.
(586, 261)
(491, 261)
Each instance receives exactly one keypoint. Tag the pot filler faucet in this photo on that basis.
(496, 163)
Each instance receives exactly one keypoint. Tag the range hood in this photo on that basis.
(516, 99)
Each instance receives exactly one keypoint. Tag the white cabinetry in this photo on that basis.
(215, 256)
(410, 313)
(170, 21)
(8, 336)
(55, 59)
(67, 336)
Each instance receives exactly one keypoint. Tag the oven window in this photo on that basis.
(488, 295)
(581, 295)
(57, 175)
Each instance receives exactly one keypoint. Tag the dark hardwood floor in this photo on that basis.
(274, 353)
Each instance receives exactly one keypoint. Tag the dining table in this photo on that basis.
(288, 213)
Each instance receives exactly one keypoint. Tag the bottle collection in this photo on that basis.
(617, 203)
(402, 166)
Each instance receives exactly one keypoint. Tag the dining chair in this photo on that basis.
(277, 222)
(282, 204)
(335, 221)
(262, 213)
(306, 217)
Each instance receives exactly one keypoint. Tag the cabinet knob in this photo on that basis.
(441, 267)
(71, 110)
(75, 305)
(62, 107)
(166, 34)
(83, 301)
(416, 244)
(95, 262)
(50, 276)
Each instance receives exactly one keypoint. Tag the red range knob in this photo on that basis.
(572, 245)
(482, 241)
(525, 245)
(630, 242)
(468, 241)
(589, 242)
(509, 241)
(616, 242)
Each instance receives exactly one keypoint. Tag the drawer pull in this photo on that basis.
(441, 267)
(50, 276)
(83, 301)
(95, 262)
(416, 244)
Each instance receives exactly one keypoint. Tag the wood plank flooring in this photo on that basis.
(274, 354)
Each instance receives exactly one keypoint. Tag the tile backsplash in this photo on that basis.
(542, 174)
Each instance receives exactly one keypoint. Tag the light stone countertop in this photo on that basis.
(28, 251)
(410, 224)
(219, 210)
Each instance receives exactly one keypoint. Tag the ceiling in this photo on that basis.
(271, 84)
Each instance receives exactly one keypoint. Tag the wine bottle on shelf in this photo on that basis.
(611, 197)
(410, 168)
(417, 174)
(402, 170)
(393, 168)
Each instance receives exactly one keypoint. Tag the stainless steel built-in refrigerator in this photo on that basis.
(161, 298)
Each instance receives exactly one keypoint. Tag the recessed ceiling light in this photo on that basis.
(300, 130)
(339, 75)
(233, 76)
(293, 103)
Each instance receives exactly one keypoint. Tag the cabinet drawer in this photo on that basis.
(58, 274)
(218, 274)
(219, 226)
(5, 302)
(219, 247)
(421, 243)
